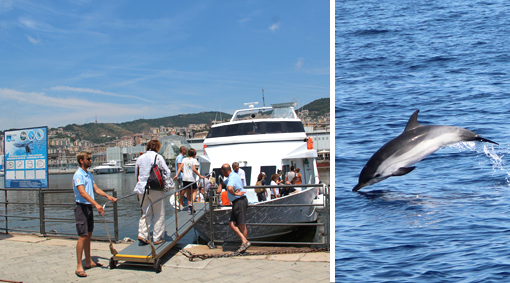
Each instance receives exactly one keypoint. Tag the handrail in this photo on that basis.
(175, 191)
(41, 214)
(123, 197)
(144, 215)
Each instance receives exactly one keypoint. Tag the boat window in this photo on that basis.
(247, 172)
(294, 127)
(269, 170)
(285, 170)
(274, 128)
(255, 128)
(231, 130)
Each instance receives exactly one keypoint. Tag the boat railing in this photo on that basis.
(323, 228)
(38, 197)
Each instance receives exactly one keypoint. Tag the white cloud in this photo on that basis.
(299, 63)
(275, 26)
(37, 108)
(28, 23)
(89, 90)
(244, 20)
(33, 40)
(40, 26)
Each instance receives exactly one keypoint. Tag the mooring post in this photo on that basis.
(115, 217)
(211, 225)
(41, 212)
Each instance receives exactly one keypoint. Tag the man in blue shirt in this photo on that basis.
(236, 195)
(84, 188)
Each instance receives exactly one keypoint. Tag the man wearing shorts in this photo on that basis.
(236, 195)
(84, 189)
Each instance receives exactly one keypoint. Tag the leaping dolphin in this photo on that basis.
(415, 143)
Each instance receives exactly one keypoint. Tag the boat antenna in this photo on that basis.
(263, 101)
(251, 104)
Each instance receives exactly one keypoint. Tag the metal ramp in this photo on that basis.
(176, 227)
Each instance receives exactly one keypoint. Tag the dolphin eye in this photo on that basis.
(377, 176)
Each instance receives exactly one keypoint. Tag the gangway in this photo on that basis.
(177, 226)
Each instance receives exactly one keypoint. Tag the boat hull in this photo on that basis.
(129, 169)
(107, 170)
(294, 214)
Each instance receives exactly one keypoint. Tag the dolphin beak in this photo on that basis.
(485, 140)
(357, 187)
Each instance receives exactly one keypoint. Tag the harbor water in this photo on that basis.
(449, 219)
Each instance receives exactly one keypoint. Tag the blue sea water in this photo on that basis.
(449, 219)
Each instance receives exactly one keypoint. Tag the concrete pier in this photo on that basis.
(31, 258)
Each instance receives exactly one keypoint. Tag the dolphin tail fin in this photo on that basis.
(477, 138)
(402, 171)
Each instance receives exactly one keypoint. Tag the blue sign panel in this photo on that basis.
(26, 158)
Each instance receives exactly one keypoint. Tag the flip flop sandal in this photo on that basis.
(143, 241)
(80, 273)
(97, 265)
(243, 247)
(159, 242)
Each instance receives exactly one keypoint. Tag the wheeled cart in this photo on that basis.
(177, 226)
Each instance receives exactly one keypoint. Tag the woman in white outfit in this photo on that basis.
(190, 175)
(156, 215)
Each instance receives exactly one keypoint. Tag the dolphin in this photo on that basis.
(415, 143)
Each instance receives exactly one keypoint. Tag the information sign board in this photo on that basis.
(26, 158)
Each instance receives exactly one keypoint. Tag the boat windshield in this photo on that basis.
(286, 113)
(264, 113)
(256, 127)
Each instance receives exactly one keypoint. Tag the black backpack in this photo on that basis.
(155, 180)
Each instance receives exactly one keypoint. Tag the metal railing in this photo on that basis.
(42, 194)
(42, 206)
(322, 239)
(145, 213)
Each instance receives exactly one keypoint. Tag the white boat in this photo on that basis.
(130, 166)
(262, 140)
(108, 168)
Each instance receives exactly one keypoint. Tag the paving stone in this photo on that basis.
(35, 259)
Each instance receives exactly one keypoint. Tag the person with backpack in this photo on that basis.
(156, 215)
(261, 192)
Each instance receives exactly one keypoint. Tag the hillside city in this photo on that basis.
(63, 146)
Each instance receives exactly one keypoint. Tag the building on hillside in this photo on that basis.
(126, 142)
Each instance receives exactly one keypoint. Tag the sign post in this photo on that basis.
(26, 158)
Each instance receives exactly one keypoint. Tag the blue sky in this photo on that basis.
(65, 62)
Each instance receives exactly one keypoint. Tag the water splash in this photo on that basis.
(494, 155)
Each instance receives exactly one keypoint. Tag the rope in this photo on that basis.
(191, 256)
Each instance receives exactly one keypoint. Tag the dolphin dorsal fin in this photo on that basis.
(413, 121)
